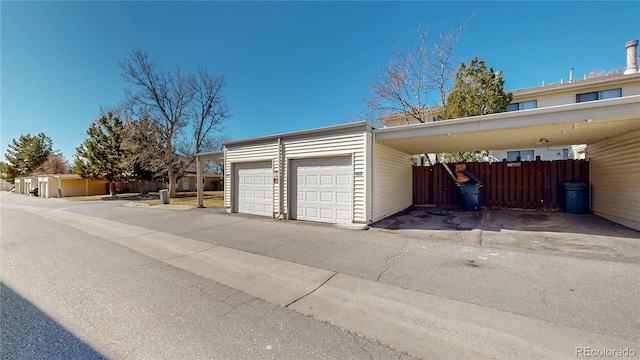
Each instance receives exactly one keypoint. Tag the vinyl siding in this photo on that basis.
(350, 143)
(260, 152)
(615, 170)
(569, 96)
(631, 89)
(392, 181)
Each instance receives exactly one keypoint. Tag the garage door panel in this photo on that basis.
(254, 188)
(311, 213)
(343, 215)
(310, 196)
(327, 197)
(327, 214)
(327, 180)
(323, 189)
(343, 180)
(343, 197)
(310, 180)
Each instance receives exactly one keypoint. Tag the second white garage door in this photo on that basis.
(254, 188)
(322, 189)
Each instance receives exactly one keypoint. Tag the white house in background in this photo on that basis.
(355, 173)
(598, 88)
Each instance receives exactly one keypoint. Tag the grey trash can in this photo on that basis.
(164, 196)
(576, 198)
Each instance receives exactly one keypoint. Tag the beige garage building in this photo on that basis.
(355, 173)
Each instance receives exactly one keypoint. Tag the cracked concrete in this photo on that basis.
(395, 257)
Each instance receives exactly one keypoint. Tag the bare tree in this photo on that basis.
(598, 73)
(55, 164)
(417, 79)
(187, 110)
(208, 112)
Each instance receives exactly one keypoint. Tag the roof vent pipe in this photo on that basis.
(632, 57)
(570, 75)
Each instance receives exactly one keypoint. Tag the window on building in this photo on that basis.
(524, 155)
(524, 105)
(599, 95)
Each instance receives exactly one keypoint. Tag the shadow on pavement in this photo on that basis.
(28, 333)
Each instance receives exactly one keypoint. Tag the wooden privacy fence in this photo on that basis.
(516, 184)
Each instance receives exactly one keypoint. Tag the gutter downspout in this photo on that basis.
(279, 177)
(373, 175)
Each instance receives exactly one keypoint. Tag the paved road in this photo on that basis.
(67, 294)
(589, 295)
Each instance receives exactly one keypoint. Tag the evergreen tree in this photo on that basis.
(24, 156)
(478, 91)
(101, 156)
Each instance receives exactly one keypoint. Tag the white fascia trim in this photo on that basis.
(211, 156)
(361, 124)
(609, 108)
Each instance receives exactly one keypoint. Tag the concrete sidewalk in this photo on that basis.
(414, 322)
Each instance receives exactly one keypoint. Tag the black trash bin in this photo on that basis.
(470, 193)
(576, 198)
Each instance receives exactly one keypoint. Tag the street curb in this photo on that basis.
(161, 206)
(419, 324)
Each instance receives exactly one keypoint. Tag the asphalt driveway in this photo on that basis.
(585, 234)
(579, 271)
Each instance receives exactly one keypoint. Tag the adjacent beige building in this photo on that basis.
(60, 185)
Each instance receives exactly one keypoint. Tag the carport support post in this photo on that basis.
(199, 181)
(59, 190)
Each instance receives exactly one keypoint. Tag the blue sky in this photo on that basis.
(290, 65)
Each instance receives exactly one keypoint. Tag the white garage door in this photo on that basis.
(323, 190)
(254, 188)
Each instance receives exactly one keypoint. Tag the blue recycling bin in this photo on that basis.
(576, 198)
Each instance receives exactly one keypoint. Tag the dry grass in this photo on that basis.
(210, 198)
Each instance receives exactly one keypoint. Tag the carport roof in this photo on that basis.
(579, 123)
(211, 156)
